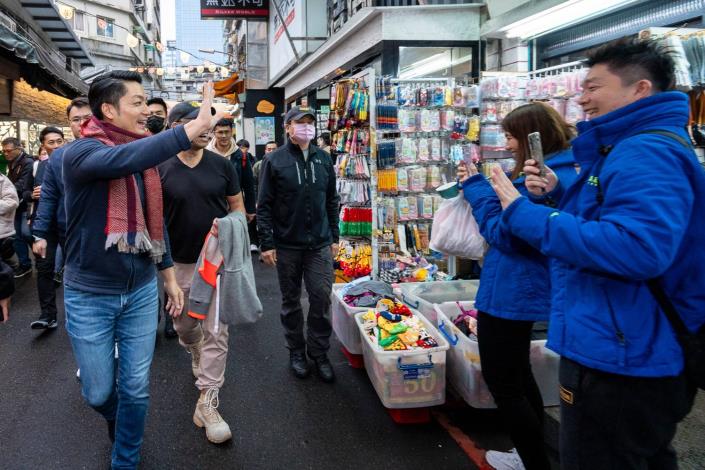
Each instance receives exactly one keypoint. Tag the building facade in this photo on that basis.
(106, 29)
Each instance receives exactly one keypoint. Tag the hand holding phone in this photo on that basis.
(536, 152)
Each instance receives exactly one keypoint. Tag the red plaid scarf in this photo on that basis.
(125, 226)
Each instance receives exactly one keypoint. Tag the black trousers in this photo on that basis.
(616, 422)
(46, 288)
(316, 269)
(504, 354)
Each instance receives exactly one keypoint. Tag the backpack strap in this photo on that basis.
(606, 149)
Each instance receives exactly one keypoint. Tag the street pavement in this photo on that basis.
(278, 421)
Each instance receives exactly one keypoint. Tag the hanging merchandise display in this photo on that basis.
(560, 89)
(348, 124)
(500, 96)
(424, 128)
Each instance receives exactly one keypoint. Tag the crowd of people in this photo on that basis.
(590, 241)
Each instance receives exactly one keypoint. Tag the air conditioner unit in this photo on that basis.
(8, 22)
(139, 4)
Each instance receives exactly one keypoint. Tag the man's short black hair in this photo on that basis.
(80, 102)
(271, 142)
(158, 101)
(225, 122)
(243, 143)
(109, 88)
(325, 137)
(50, 130)
(14, 141)
(633, 60)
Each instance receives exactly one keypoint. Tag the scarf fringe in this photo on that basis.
(143, 244)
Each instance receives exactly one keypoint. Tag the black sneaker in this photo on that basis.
(40, 324)
(299, 364)
(22, 271)
(52, 324)
(324, 369)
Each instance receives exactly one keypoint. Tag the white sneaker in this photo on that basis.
(195, 352)
(504, 460)
(206, 415)
(254, 248)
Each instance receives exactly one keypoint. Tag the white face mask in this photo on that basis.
(304, 132)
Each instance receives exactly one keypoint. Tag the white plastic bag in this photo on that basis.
(455, 231)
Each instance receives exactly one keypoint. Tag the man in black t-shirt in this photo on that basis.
(199, 186)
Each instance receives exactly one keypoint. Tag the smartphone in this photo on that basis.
(536, 151)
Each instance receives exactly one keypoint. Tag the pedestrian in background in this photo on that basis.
(156, 122)
(324, 142)
(269, 147)
(627, 232)
(19, 170)
(224, 144)
(51, 138)
(49, 225)
(297, 219)
(199, 186)
(507, 303)
(115, 236)
(8, 205)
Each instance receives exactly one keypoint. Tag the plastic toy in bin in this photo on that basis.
(395, 328)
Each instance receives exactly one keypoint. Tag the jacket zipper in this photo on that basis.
(313, 172)
(618, 332)
(298, 173)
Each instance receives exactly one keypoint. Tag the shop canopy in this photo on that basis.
(46, 15)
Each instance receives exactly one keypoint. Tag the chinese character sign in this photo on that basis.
(212, 9)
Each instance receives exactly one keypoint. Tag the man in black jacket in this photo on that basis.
(19, 170)
(297, 220)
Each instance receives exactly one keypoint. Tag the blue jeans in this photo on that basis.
(95, 322)
(22, 238)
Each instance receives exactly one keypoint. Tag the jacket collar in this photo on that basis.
(666, 110)
(296, 150)
(232, 149)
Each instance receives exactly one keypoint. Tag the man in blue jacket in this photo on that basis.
(49, 226)
(115, 235)
(634, 214)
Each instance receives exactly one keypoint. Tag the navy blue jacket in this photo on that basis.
(88, 166)
(650, 225)
(515, 282)
(50, 219)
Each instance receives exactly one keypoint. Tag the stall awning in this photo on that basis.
(44, 12)
(39, 67)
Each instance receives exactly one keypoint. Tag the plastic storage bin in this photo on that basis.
(406, 379)
(422, 295)
(465, 372)
(343, 319)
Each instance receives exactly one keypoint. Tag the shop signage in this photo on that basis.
(302, 18)
(214, 9)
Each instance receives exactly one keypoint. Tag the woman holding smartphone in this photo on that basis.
(514, 285)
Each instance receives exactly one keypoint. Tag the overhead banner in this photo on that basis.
(219, 9)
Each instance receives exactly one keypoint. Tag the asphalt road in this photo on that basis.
(278, 421)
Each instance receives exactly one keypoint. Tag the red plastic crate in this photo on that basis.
(355, 360)
(410, 415)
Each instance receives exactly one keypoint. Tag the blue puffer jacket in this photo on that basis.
(650, 225)
(514, 283)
